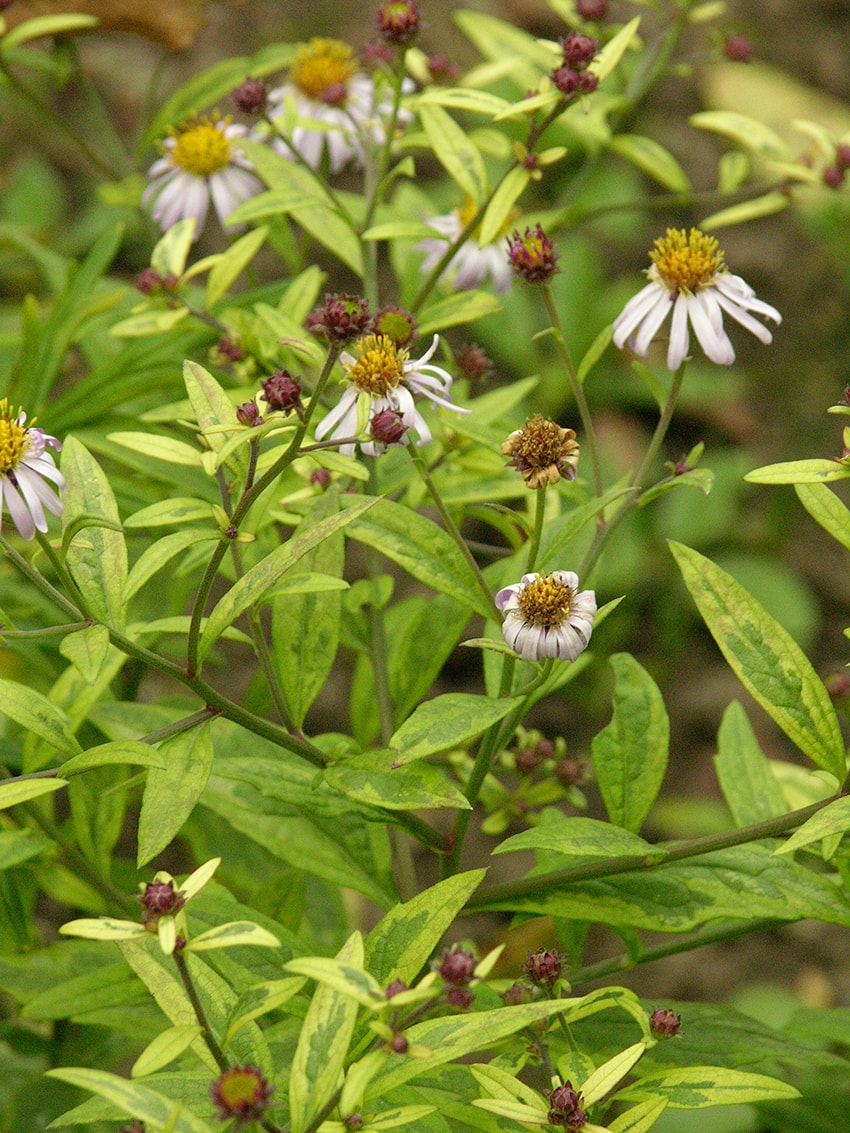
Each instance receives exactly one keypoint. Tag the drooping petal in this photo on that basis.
(707, 321)
(680, 340)
(18, 510)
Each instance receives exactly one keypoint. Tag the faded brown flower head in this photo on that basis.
(543, 452)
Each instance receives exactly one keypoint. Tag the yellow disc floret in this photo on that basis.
(687, 261)
(379, 365)
(13, 439)
(320, 64)
(545, 602)
(201, 147)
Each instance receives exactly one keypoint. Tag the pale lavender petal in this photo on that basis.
(17, 509)
(677, 351)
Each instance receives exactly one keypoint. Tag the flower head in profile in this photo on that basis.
(543, 452)
(340, 109)
(473, 262)
(532, 256)
(383, 377)
(546, 615)
(25, 465)
(200, 162)
(688, 276)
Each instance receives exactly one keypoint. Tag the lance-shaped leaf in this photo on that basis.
(630, 754)
(134, 1099)
(86, 649)
(446, 722)
(323, 1044)
(766, 659)
(120, 751)
(172, 792)
(22, 790)
(833, 819)
(824, 506)
(251, 587)
(751, 790)
(260, 1000)
(582, 838)
(165, 1048)
(230, 935)
(694, 1087)
(377, 779)
(346, 978)
(453, 149)
(37, 714)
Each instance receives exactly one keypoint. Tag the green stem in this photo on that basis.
(661, 855)
(576, 387)
(198, 1008)
(534, 541)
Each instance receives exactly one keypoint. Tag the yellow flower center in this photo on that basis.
(14, 441)
(379, 366)
(687, 261)
(240, 1088)
(320, 64)
(201, 147)
(545, 602)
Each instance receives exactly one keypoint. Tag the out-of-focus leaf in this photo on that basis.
(459, 156)
(652, 159)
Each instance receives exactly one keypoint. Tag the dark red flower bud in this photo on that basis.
(460, 997)
(664, 1023)
(158, 899)
(517, 993)
(248, 414)
(833, 176)
(252, 96)
(388, 427)
(241, 1094)
(533, 256)
(148, 281)
(531, 162)
(571, 771)
(133, 1127)
(394, 988)
(592, 9)
(526, 759)
(588, 81)
(737, 49)
(398, 21)
(320, 477)
(441, 70)
(334, 94)
(399, 1044)
(578, 50)
(473, 362)
(842, 155)
(353, 1121)
(457, 966)
(544, 967)
(838, 685)
(230, 348)
(566, 79)
(565, 1107)
(341, 319)
(282, 392)
(375, 55)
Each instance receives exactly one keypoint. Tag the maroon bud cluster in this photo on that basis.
(457, 966)
(571, 771)
(395, 988)
(252, 96)
(565, 1107)
(532, 256)
(230, 348)
(572, 76)
(150, 282)
(342, 318)
(544, 967)
(282, 392)
(664, 1023)
(241, 1094)
(398, 22)
(249, 414)
(517, 993)
(527, 759)
(159, 899)
(460, 997)
(441, 70)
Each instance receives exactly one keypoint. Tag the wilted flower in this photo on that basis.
(383, 376)
(532, 256)
(242, 1094)
(24, 466)
(472, 263)
(547, 616)
(200, 162)
(688, 276)
(543, 452)
(344, 107)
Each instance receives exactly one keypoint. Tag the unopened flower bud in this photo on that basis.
(664, 1023)
(578, 50)
(388, 427)
(159, 899)
(565, 1107)
(460, 997)
(251, 96)
(842, 155)
(320, 477)
(588, 81)
(282, 392)
(441, 69)
(570, 771)
(833, 176)
(544, 967)
(473, 362)
(395, 323)
(241, 1094)
(249, 413)
(399, 1044)
(592, 9)
(395, 988)
(341, 319)
(398, 21)
(838, 685)
(353, 1121)
(532, 256)
(566, 79)
(230, 348)
(517, 993)
(457, 966)
(737, 49)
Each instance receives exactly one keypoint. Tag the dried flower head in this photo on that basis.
(543, 452)
(241, 1094)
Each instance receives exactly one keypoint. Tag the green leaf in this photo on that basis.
(37, 714)
(630, 753)
(824, 506)
(653, 159)
(400, 944)
(559, 533)
(18, 846)
(134, 1099)
(463, 98)
(159, 447)
(614, 49)
(421, 548)
(323, 1044)
(833, 819)
(97, 556)
(232, 263)
(104, 928)
(117, 752)
(260, 1000)
(750, 788)
(766, 205)
(172, 249)
(171, 794)
(445, 722)
(375, 779)
(694, 1087)
(817, 471)
(400, 230)
(460, 307)
(160, 553)
(498, 211)
(210, 404)
(578, 837)
(748, 132)
(86, 649)
(640, 1118)
(255, 583)
(41, 26)
(155, 320)
(180, 509)
(605, 1077)
(766, 660)
(346, 978)
(22, 790)
(231, 935)
(455, 152)
(594, 352)
(165, 1048)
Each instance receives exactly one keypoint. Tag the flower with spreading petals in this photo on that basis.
(543, 452)
(200, 162)
(688, 275)
(546, 615)
(24, 466)
(473, 262)
(338, 107)
(384, 377)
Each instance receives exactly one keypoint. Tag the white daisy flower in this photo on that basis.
(688, 276)
(546, 615)
(200, 162)
(384, 377)
(338, 107)
(472, 263)
(24, 466)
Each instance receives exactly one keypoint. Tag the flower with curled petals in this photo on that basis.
(688, 275)
(24, 466)
(200, 162)
(384, 377)
(546, 615)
